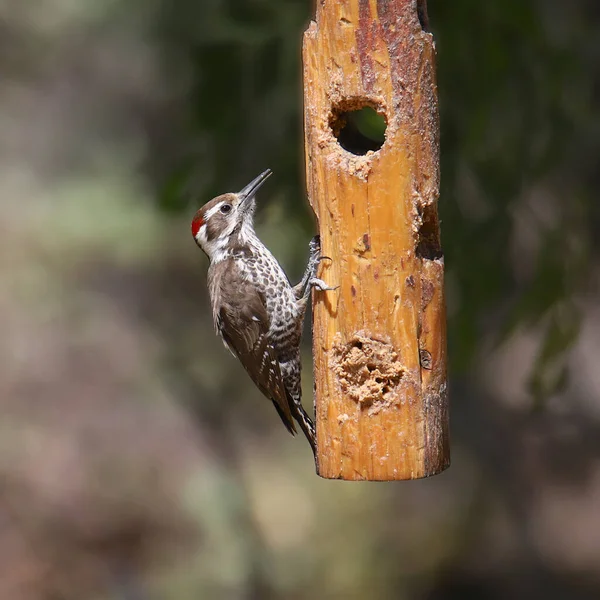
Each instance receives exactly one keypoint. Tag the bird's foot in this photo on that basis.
(319, 284)
(314, 247)
(303, 288)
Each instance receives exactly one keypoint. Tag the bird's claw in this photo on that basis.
(320, 285)
(315, 245)
(315, 250)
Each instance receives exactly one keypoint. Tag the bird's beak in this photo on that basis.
(250, 190)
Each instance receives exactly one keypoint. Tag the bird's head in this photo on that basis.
(224, 216)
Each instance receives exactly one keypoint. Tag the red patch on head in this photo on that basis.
(197, 222)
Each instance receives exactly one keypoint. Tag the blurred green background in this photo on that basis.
(137, 460)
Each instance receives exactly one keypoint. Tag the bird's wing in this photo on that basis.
(242, 320)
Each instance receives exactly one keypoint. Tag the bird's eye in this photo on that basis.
(226, 208)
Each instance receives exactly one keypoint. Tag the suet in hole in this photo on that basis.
(358, 126)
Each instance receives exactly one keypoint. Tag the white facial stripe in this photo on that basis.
(213, 210)
(201, 235)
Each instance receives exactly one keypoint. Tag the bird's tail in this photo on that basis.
(306, 423)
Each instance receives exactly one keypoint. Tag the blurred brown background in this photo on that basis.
(137, 460)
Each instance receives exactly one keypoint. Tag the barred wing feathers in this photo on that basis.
(243, 323)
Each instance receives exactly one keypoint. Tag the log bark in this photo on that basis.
(379, 341)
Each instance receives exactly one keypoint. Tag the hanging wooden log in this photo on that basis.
(379, 341)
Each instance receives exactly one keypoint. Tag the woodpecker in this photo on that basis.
(256, 311)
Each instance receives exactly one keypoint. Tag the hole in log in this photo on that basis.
(358, 125)
(369, 371)
(428, 243)
(426, 359)
(422, 14)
